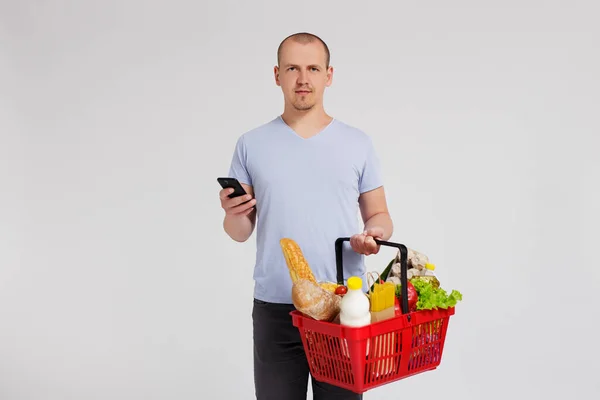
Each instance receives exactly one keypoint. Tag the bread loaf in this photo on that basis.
(296, 263)
(311, 299)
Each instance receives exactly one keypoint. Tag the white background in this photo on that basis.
(116, 117)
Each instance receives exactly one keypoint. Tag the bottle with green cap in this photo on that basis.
(355, 307)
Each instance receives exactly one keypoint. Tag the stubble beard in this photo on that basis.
(303, 104)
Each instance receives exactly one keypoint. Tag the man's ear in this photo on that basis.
(329, 76)
(276, 75)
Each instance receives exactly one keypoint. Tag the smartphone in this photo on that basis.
(238, 189)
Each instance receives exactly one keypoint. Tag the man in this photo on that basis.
(308, 176)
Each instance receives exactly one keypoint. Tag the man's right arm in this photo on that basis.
(240, 219)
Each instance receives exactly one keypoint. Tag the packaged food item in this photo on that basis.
(382, 300)
(416, 262)
(383, 306)
(355, 305)
(416, 259)
(427, 275)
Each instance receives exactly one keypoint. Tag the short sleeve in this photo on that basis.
(239, 166)
(371, 176)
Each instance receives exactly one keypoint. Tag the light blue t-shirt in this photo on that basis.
(306, 190)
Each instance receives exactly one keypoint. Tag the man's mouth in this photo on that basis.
(303, 91)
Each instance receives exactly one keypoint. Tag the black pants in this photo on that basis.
(280, 368)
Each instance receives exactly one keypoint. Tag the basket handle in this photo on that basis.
(403, 266)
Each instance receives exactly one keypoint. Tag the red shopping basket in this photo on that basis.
(360, 359)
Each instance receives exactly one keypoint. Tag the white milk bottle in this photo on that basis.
(355, 305)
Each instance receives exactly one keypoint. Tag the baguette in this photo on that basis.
(296, 263)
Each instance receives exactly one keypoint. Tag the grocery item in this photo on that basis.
(386, 272)
(355, 305)
(428, 270)
(382, 296)
(413, 296)
(432, 298)
(382, 300)
(416, 262)
(341, 290)
(316, 300)
(311, 299)
(394, 280)
(296, 263)
(415, 259)
(329, 286)
(427, 275)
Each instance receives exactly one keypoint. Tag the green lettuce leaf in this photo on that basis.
(432, 299)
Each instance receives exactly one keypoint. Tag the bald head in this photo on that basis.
(304, 38)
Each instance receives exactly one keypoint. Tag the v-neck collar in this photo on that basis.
(316, 135)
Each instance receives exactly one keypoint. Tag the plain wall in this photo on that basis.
(117, 281)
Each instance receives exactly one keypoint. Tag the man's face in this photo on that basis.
(302, 74)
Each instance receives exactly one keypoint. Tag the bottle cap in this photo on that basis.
(354, 283)
(430, 266)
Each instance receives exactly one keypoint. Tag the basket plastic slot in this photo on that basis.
(343, 363)
(426, 346)
(338, 370)
(327, 360)
(382, 358)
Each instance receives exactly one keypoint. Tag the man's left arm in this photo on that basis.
(377, 220)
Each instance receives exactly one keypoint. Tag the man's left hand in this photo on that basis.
(364, 243)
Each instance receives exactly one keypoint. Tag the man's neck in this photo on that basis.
(313, 118)
(307, 124)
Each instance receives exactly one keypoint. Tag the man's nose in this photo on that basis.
(302, 77)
